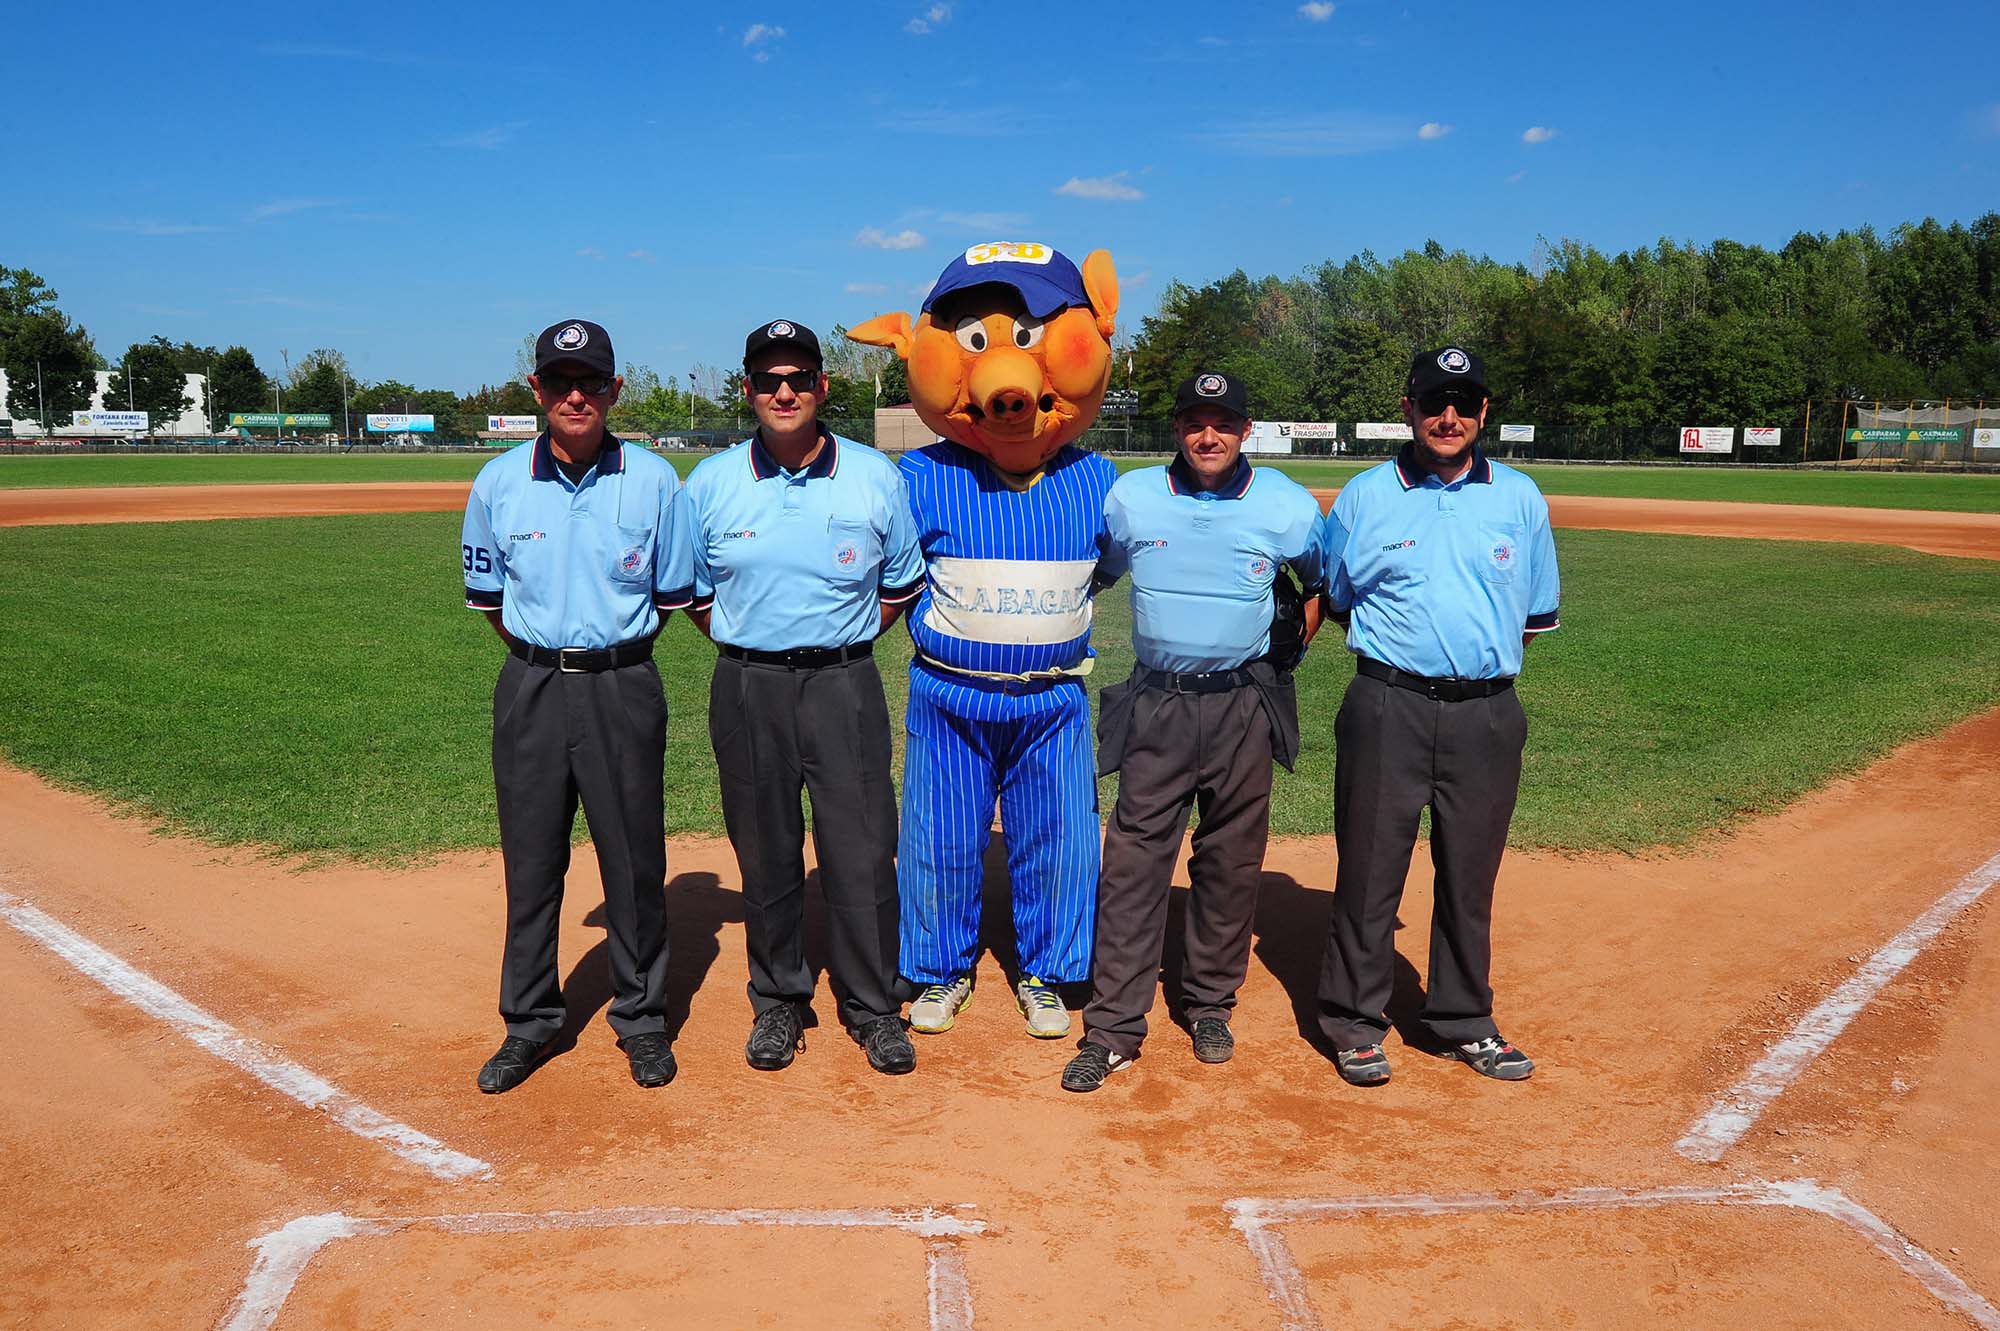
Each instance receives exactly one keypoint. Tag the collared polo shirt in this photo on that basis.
(805, 558)
(586, 563)
(1203, 561)
(1444, 580)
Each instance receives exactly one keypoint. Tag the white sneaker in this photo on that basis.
(938, 1006)
(1047, 1018)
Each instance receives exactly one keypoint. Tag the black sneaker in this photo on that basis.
(776, 1038)
(887, 1045)
(1366, 1066)
(1092, 1064)
(1213, 1042)
(1494, 1057)
(510, 1065)
(651, 1057)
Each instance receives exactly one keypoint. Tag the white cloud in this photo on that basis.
(1431, 129)
(1142, 278)
(1986, 121)
(264, 212)
(643, 256)
(590, 252)
(865, 289)
(490, 139)
(1537, 134)
(1318, 11)
(1111, 188)
(875, 238)
(1517, 177)
(1214, 41)
(933, 17)
(762, 57)
(761, 32)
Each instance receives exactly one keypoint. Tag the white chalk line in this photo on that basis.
(224, 1041)
(284, 1254)
(1734, 1112)
(1258, 1219)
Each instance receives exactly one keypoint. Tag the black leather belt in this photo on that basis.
(1205, 681)
(575, 660)
(1444, 690)
(800, 658)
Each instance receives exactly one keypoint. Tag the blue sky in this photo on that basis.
(420, 187)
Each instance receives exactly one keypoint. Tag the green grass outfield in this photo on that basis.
(315, 686)
(1946, 492)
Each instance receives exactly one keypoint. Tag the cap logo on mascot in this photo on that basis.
(1011, 353)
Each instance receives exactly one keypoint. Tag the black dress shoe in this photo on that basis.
(887, 1045)
(776, 1038)
(510, 1065)
(652, 1058)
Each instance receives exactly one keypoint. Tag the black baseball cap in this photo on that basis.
(1209, 389)
(1447, 367)
(577, 340)
(782, 333)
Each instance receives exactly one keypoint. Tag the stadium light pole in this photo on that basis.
(41, 403)
(346, 428)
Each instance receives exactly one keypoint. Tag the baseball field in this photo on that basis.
(247, 860)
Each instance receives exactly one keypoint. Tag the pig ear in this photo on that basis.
(885, 330)
(1100, 283)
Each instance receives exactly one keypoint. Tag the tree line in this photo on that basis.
(1672, 334)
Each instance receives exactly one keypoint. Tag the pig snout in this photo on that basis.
(1006, 386)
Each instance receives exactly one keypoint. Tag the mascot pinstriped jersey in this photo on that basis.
(1008, 363)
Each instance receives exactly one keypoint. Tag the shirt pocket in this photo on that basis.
(1499, 553)
(630, 558)
(853, 551)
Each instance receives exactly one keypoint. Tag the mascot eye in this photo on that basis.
(971, 334)
(1027, 331)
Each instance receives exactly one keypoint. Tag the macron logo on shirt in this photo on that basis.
(1400, 545)
(743, 535)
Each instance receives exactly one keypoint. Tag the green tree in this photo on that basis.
(148, 379)
(236, 384)
(319, 382)
(51, 367)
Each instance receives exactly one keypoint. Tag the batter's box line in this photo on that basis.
(1260, 1221)
(284, 1254)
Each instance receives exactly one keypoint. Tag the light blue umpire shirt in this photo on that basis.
(590, 563)
(800, 559)
(1203, 561)
(1444, 580)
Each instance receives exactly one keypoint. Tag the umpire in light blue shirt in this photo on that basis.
(804, 552)
(1449, 569)
(1208, 707)
(571, 549)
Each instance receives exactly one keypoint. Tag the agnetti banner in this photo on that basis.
(396, 423)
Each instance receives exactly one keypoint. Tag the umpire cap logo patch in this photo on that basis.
(573, 338)
(1211, 385)
(779, 329)
(1453, 361)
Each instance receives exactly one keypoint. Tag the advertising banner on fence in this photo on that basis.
(1923, 434)
(514, 424)
(388, 423)
(1986, 438)
(1381, 430)
(1760, 436)
(1708, 439)
(1268, 437)
(269, 420)
(1517, 434)
(110, 420)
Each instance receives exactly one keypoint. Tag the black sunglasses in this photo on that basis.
(562, 385)
(800, 381)
(1462, 400)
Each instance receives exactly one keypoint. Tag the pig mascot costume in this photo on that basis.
(1008, 361)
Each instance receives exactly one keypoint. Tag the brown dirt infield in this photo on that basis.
(134, 1168)
(1972, 535)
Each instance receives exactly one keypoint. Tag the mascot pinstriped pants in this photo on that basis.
(1030, 746)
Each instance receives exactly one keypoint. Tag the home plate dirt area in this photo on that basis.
(240, 1094)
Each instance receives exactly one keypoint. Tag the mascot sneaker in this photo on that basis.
(1047, 1018)
(937, 1007)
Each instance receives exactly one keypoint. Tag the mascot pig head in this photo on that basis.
(1011, 353)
